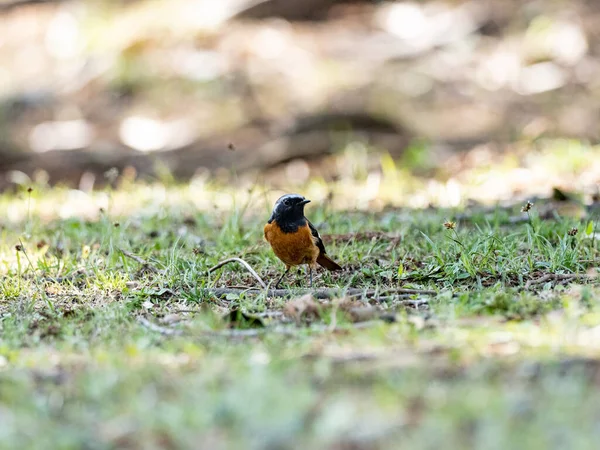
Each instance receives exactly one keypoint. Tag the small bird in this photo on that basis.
(294, 239)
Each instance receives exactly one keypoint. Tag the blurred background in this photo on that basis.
(480, 99)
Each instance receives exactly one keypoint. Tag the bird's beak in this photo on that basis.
(304, 202)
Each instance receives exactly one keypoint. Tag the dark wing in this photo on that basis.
(315, 233)
(323, 259)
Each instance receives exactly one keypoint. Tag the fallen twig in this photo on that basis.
(413, 303)
(557, 277)
(318, 293)
(362, 236)
(385, 298)
(139, 260)
(289, 330)
(242, 262)
(162, 330)
(243, 288)
(253, 332)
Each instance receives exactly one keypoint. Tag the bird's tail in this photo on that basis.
(328, 263)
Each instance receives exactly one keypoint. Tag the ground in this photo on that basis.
(112, 338)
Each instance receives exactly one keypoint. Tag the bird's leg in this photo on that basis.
(310, 274)
(281, 277)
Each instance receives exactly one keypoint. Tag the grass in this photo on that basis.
(505, 355)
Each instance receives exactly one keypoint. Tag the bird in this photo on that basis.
(294, 239)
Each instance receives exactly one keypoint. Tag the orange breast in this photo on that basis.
(292, 248)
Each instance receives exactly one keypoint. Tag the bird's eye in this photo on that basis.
(286, 202)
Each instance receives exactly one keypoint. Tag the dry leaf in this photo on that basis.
(347, 303)
(147, 304)
(363, 313)
(302, 308)
(417, 321)
(171, 318)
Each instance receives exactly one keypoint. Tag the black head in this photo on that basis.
(288, 212)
